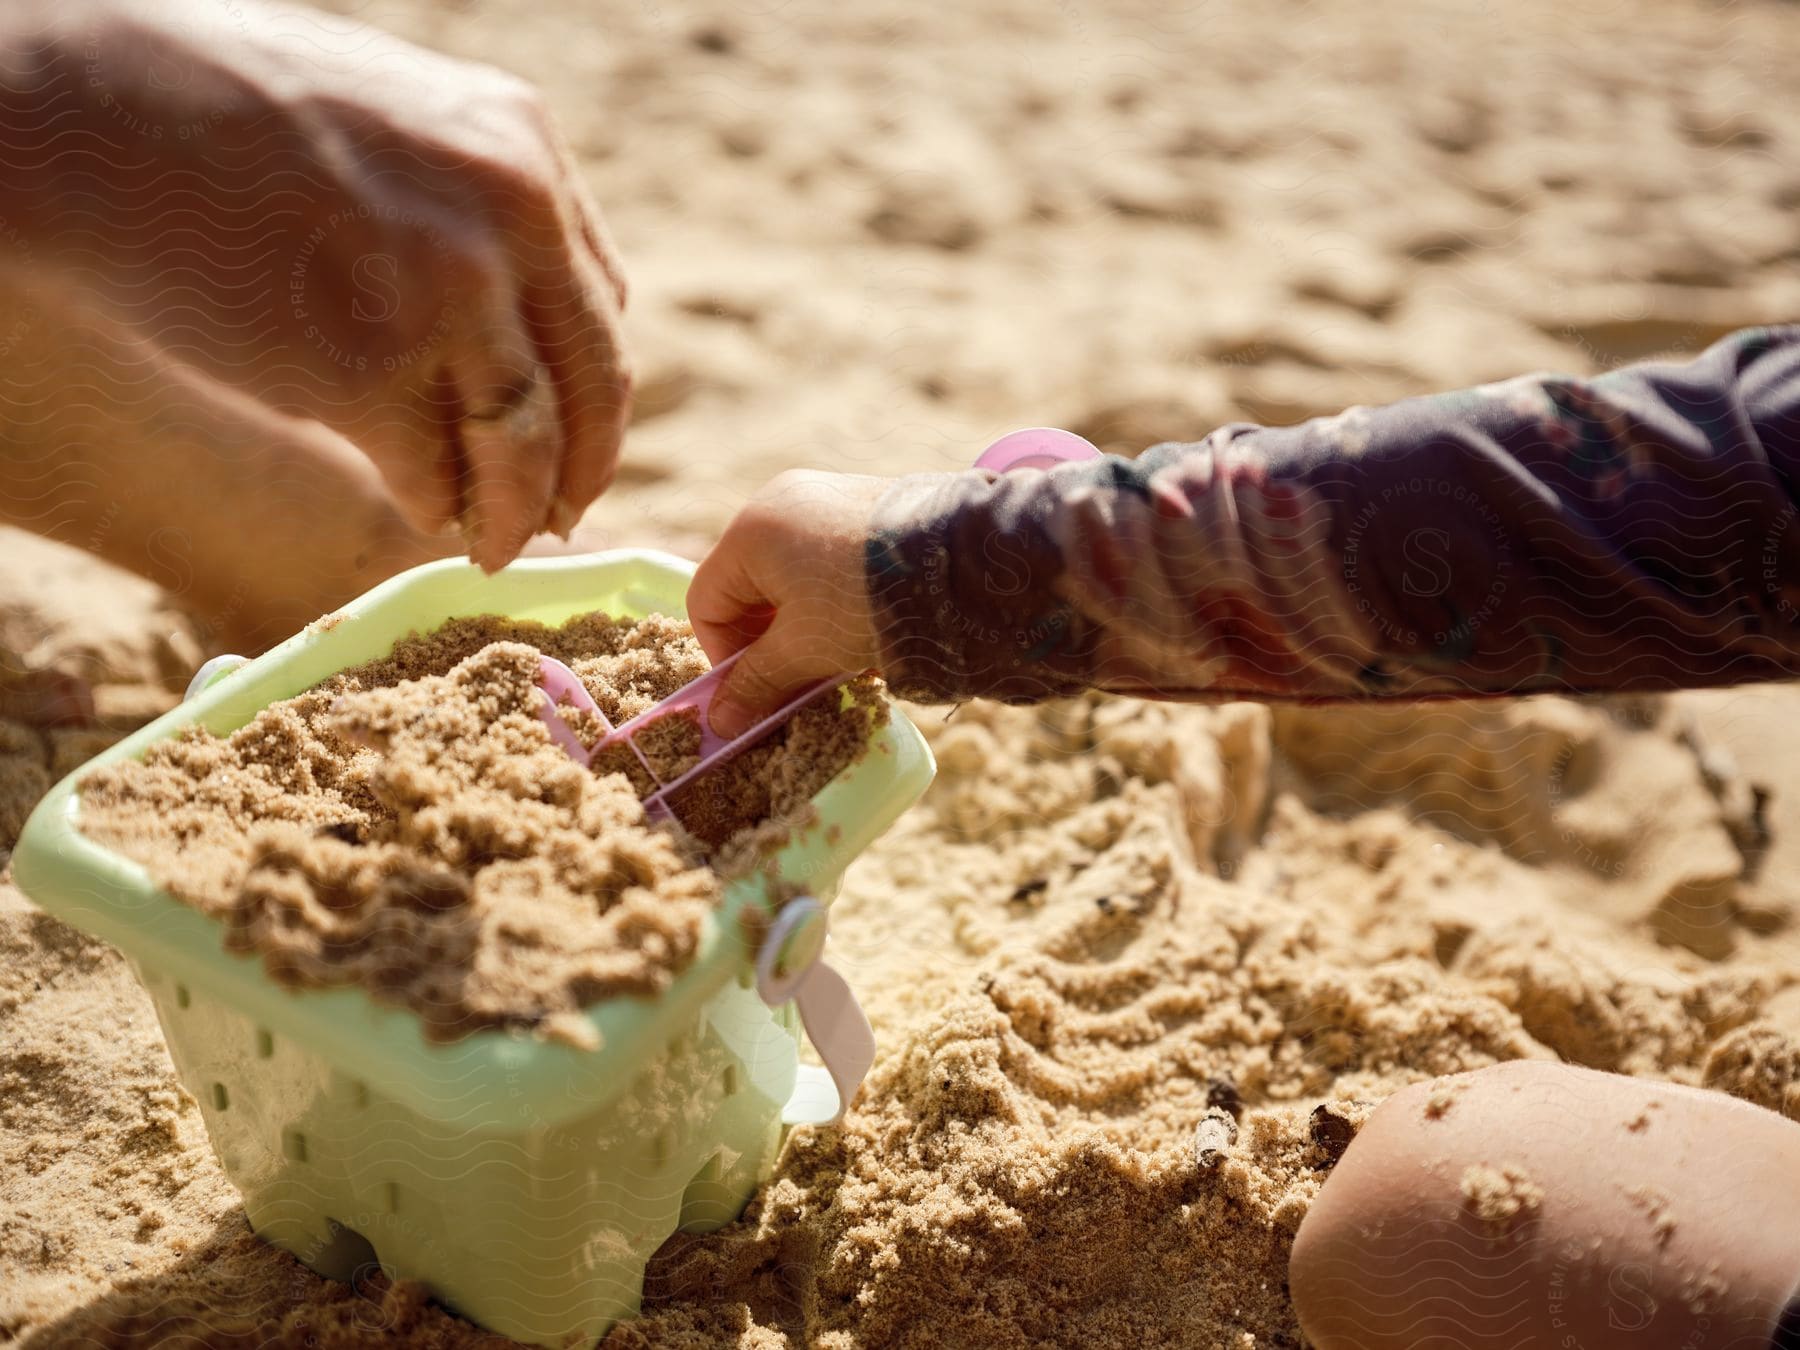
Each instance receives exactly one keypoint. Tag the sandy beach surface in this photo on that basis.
(874, 236)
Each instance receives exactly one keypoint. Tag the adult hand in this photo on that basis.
(786, 582)
(354, 230)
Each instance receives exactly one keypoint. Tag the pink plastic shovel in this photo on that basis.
(563, 689)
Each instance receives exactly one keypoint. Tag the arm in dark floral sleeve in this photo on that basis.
(1632, 531)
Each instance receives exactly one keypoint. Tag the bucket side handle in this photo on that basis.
(790, 965)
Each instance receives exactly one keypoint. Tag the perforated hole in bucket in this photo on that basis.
(265, 1044)
(221, 1097)
(293, 1146)
(732, 1079)
(182, 997)
(345, 1254)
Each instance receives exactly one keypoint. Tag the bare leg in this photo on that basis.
(257, 522)
(1541, 1205)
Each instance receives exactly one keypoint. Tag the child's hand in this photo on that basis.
(786, 581)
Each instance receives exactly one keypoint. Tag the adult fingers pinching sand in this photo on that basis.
(350, 229)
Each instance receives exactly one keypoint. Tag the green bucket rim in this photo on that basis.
(492, 1079)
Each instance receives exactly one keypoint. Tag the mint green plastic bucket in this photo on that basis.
(526, 1183)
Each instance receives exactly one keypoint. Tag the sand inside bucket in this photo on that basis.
(410, 826)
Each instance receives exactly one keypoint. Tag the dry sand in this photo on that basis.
(873, 237)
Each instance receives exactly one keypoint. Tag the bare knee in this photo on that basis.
(1536, 1203)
